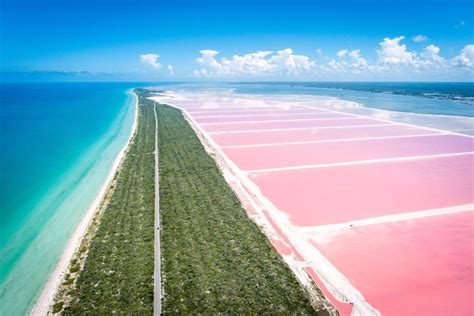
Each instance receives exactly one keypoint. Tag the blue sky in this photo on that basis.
(328, 40)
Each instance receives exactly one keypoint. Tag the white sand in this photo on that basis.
(50, 288)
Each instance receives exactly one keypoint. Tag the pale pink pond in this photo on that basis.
(320, 196)
(272, 137)
(275, 111)
(245, 126)
(267, 117)
(208, 110)
(278, 156)
(423, 266)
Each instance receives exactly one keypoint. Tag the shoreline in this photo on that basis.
(50, 288)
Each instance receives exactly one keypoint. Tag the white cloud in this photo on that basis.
(431, 53)
(395, 62)
(431, 50)
(420, 38)
(392, 52)
(358, 60)
(209, 52)
(342, 53)
(170, 70)
(348, 59)
(318, 51)
(253, 64)
(151, 59)
(465, 57)
(207, 57)
(287, 62)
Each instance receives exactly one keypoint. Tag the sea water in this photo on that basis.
(58, 142)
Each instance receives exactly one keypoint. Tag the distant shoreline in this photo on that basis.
(50, 288)
(458, 95)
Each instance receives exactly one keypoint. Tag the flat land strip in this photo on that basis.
(214, 258)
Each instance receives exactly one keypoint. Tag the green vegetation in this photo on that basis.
(58, 307)
(74, 269)
(214, 258)
(117, 274)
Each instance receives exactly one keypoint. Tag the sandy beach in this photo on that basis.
(50, 288)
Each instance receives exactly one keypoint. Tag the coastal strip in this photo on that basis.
(51, 287)
(215, 259)
(112, 271)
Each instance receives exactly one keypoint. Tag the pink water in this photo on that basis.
(247, 126)
(316, 134)
(422, 266)
(243, 112)
(416, 267)
(274, 117)
(333, 195)
(252, 158)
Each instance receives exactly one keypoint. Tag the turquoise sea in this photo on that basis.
(58, 142)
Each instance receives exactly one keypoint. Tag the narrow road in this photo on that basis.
(157, 273)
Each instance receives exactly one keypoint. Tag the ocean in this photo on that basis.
(58, 143)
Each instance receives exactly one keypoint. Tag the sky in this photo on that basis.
(161, 40)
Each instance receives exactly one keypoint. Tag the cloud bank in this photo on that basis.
(466, 57)
(392, 57)
(260, 63)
